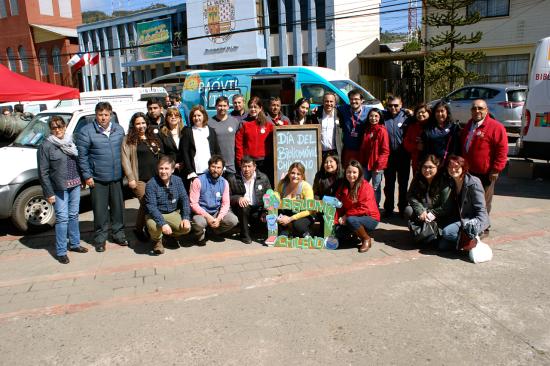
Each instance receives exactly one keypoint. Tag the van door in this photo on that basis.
(282, 86)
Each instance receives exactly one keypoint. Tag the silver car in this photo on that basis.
(505, 102)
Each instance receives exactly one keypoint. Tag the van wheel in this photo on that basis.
(31, 210)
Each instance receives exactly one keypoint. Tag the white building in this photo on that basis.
(216, 34)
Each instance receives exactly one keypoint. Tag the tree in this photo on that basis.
(444, 63)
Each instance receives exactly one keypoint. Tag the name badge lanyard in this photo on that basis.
(354, 124)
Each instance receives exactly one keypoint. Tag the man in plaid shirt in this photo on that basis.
(166, 204)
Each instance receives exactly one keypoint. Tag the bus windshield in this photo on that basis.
(347, 85)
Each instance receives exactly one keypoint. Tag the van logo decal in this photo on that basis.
(218, 17)
(192, 82)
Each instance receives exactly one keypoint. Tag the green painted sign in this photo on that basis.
(154, 39)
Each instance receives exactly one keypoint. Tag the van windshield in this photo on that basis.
(347, 85)
(37, 129)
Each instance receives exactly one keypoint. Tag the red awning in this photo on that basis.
(15, 87)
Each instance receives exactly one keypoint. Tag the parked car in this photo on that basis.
(505, 102)
(21, 197)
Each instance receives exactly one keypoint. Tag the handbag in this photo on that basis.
(481, 253)
(424, 232)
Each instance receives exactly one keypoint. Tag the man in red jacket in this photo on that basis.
(485, 147)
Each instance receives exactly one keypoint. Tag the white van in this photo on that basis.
(31, 107)
(534, 140)
(123, 95)
(21, 197)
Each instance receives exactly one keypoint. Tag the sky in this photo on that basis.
(393, 17)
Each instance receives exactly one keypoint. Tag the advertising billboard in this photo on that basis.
(154, 39)
(223, 31)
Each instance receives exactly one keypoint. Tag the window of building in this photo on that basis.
(65, 9)
(109, 33)
(43, 57)
(122, 38)
(3, 12)
(11, 59)
(45, 7)
(490, 8)
(14, 7)
(502, 69)
(23, 62)
(56, 55)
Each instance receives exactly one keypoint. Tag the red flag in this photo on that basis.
(93, 58)
(76, 62)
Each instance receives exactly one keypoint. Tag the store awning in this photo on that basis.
(45, 33)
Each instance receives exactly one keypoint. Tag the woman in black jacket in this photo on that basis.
(170, 134)
(328, 177)
(197, 144)
(60, 180)
(441, 136)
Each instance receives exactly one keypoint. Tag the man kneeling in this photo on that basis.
(166, 204)
(209, 196)
(247, 191)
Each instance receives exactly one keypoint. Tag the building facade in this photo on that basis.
(511, 29)
(220, 34)
(38, 37)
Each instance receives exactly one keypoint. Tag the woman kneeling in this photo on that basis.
(470, 197)
(359, 212)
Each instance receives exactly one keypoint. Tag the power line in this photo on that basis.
(339, 16)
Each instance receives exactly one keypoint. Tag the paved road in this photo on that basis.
(234, 304)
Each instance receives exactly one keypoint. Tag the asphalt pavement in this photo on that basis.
(227, 303)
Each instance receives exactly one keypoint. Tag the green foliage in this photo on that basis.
(444, 65)
(389, 37)
(93, 16)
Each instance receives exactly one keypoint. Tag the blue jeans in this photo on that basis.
(66, 207)
(376, 183)
(449, 236)
(353, 223)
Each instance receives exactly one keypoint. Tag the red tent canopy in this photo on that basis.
(15, 87)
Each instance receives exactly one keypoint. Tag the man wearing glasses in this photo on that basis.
(166, 204)
(399, 162)
(485, 148)
(353, 123)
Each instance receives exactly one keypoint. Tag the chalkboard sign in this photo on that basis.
(297, 143)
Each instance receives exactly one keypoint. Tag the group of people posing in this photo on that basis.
(210, 177)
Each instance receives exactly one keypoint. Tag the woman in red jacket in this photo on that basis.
(375, 151)
(359, 212)
(412, 142)
(255, 138)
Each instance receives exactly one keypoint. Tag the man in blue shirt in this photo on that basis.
(99, 159)
(166, 204)
(399, 162)
(353, 123)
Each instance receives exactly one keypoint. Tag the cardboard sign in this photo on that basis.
(327, 207)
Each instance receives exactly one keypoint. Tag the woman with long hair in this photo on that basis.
(469, 195)
(198, 144)
(328, 177)
(60, 180)
(140, 152)
(359, 213)
(300, 114)
(294, 186)
(429, 196)
(255, 138)
(412, 141)
(170, 134)
(441, 137)
(375, 151)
